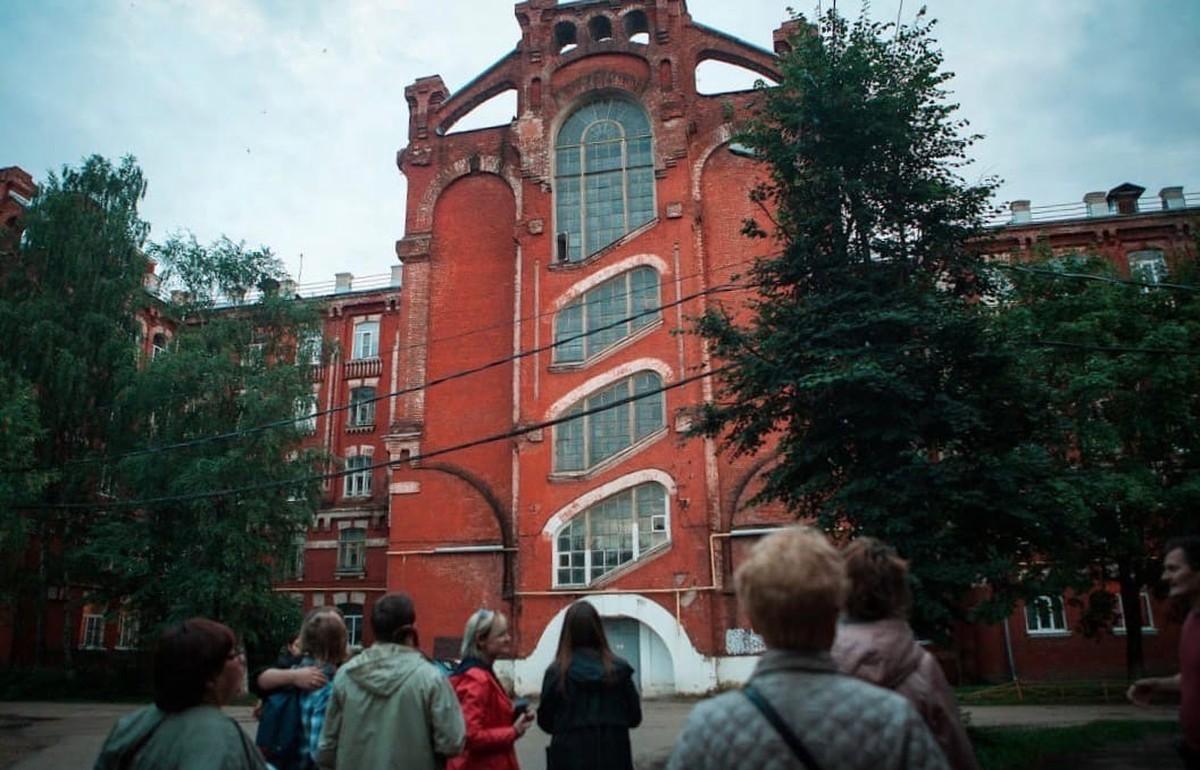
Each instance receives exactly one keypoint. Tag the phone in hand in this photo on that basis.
(520, 708)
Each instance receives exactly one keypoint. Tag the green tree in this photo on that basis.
(868, 365)
(1129, 415)
(228, 368)
(66, 317)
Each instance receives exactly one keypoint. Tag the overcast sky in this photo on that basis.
(278, 121)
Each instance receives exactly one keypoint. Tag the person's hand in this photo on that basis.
(523, 722)
(308, 678)
(1142, 691)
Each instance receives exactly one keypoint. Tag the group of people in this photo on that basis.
(843, 685)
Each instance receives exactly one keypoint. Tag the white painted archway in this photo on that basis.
(694, 673)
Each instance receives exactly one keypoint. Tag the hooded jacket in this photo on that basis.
(199, 738)
(391, 709)
(884, 653)
(589, 713)
(488, 713)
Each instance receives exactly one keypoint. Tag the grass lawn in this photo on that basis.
(1029, 748)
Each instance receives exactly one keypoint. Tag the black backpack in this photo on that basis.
(280, 734)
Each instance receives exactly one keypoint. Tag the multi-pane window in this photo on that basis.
(127, 631)
(311, 348)
(606, 314)
(1148, 266)
(358, 476)
(1147, 614)
(158, 345)
(366, 339)
(362, 407)
(604, 175)
(352, 614)
(591, 439)
(93, 632)
(617, 530)
(352, 550)
(306, 414)
(1045, 615)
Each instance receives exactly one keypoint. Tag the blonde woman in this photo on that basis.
(493, 725)
(323, 645)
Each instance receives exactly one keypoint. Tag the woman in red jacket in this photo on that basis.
(493, 726)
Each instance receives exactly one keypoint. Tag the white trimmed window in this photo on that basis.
(586, 442)
(352, 614)
(93, 632)
(306, 414)
(1046, 615)
(352, 550)
(603, 176)
(358, 479)
(366, 339)
(127, 631)
(362, 407)
(158, 345)
(1118, 626)
(615, 531)
(311, 347)
(1148, 266)
(605, 315)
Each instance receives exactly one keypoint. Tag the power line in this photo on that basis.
(403, 391)
(375, 466)
(1097, 278)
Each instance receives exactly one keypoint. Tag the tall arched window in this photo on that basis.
(613, 532)
(604, 176)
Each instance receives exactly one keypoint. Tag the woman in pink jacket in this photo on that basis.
(875, 643)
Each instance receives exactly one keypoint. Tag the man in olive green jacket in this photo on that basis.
(391, 708)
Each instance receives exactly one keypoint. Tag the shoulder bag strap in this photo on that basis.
(790, 738)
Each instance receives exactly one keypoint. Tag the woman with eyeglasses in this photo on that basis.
(589, 701)
(198, 668)
(493, 724)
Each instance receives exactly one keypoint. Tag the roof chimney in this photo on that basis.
(1097, 204)
(1020, 213)
(1124, 198)
(1172, 198)
(397, 275)
(342, 282)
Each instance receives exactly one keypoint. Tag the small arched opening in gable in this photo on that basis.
(637, 27)
(497, 110)
(600, 28)
(565, 36)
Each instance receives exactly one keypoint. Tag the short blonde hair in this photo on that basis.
(793, 586)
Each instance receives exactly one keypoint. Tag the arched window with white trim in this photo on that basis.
(603, 176)
(605, 315)
(584, 443)
(614, 532)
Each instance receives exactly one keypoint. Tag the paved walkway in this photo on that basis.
(63, 736)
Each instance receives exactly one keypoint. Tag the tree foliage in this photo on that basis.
(868, 365)
(1129, 414)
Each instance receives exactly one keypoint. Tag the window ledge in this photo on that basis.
(607, 463)
(365, 428)
(595, 256)
(621, 344)
(350, 573)
(1048, 634)
(1146, 631)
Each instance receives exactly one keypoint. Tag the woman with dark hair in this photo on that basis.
(875, 643)
(589, 701)
(198, 668)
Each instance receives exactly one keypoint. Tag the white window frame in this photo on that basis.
(127, 631)
(358, 480)
(306, 414)
(1058, 611)
(1118, 626)
(91, 635)
(157, 350)
(659, 522)
(563, 432)
(312, 347)
(362, 413)
(366, 340)
(352, 541)
(352, 614)
(584, 307)
(1148, 266)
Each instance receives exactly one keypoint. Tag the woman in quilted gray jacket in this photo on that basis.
(797, 711)
(875, 643)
